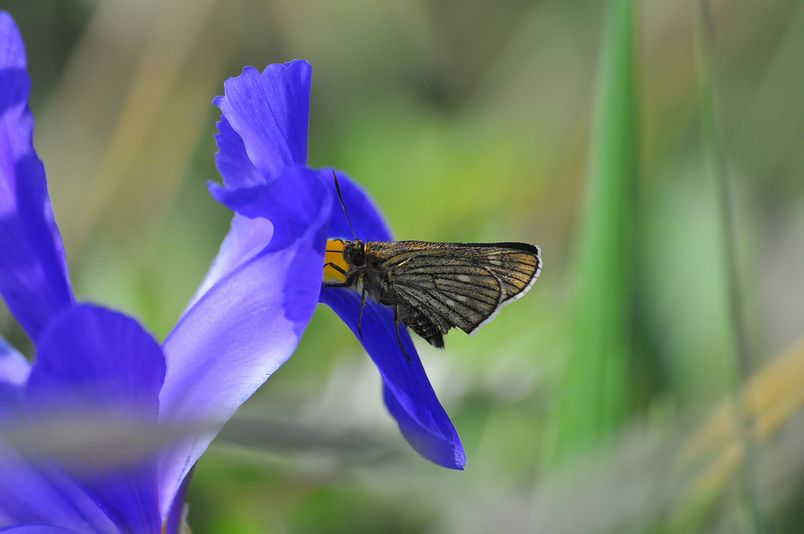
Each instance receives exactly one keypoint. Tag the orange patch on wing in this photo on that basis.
(334, 255)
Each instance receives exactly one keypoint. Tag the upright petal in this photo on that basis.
(269, 112)
(248, 323)
(176, 517)
(291, 202)
(246, 238)
(368, 222)
(232, 159)
(33, 272)
(91, 359)
(408, 394)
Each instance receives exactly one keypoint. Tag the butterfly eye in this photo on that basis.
(358, 257)
(354, 253)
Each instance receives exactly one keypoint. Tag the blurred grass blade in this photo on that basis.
(772, 397)
(716, 167)
(594, 399)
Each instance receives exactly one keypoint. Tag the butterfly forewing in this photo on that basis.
(517, 269)
(455, 284)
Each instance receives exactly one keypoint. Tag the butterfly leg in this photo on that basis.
(398, 336)
(360, 317)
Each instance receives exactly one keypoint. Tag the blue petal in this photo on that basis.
(232, 160)
(249, 321)
(27, 494)
(14, 371)
(367, 220)
(291, 201)
(408, 394)
(175, 516)
(269, 112)
(33, 272)
(37, 529)
(14, 368)
(246, 238)
(90, 359)
(30, 495)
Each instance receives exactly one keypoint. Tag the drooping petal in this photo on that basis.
(269, 112)
(32, 494)
(408, 394)
(248, 324)
(91, 359)
(38, 529)
(26, 493)
(368, 222)
(33, 272)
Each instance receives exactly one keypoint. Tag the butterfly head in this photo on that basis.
(354, 252)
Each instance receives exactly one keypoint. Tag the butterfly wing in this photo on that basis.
(517, 265)
(446, 285)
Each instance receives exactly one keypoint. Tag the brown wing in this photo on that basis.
(457, 284)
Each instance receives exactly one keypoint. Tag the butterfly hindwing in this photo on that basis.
(448, 303)
(445, 285)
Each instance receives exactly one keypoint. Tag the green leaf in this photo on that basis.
(594, 399)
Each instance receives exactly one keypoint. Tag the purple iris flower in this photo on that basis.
(243, 323)
(262, 157)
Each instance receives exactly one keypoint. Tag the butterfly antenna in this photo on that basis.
(343, 206)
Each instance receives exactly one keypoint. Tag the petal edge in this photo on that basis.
(407, 391)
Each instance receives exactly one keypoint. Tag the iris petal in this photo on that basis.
(246, 238)
(91, 358)
(27, 494)
(408, 394)
(232, 159)
(290, 201)
(269, 111)
(407, 391)
(265, 128)
(31, 494)
(175, 516)
(33, 272)
(37, 529)
(250, 321)
(14, 368)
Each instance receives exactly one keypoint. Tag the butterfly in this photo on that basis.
(433, 287)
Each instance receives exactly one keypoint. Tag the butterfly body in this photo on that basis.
(434, 287)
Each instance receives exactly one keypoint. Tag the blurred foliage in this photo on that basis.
(601, 371)
(468, 121)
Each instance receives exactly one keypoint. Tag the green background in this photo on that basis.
(651, 148)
